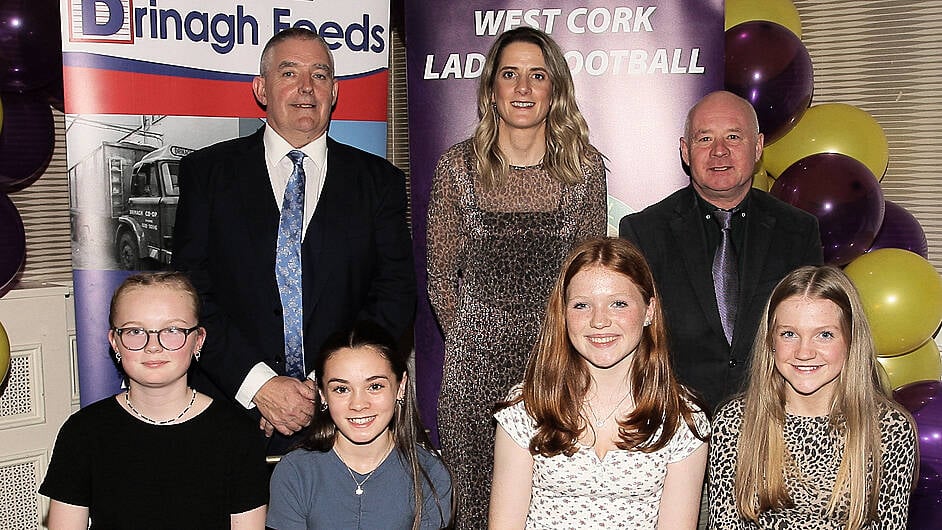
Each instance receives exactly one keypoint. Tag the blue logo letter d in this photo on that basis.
(90, 25)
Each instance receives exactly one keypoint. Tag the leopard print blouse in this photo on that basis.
(817, 450)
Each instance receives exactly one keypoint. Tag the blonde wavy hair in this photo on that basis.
(567, 135)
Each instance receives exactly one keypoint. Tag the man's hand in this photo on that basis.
(286, 403)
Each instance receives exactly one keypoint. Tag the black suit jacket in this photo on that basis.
(356, 255)
(778, 239)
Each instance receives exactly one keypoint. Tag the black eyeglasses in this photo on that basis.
(172, 338)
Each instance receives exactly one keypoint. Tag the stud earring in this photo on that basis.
(400, 401)
(647, 322)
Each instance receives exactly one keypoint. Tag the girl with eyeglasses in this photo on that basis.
(158, 454)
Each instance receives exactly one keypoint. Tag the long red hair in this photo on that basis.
(557, 379)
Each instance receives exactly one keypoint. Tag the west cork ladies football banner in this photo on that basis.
(148, 82)
(637, 68)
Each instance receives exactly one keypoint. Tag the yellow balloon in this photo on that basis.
(4, 354)
(923, 364)
(831, 128)
(761, 178)
(781, 12)
(902, 297)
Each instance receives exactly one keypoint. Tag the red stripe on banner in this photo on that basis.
(96, 91)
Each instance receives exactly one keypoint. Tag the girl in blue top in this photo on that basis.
(366, 447)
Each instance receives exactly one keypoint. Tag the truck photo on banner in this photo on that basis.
(145, 84)
(636, 67)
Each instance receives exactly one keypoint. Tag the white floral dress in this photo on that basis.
(623, 490)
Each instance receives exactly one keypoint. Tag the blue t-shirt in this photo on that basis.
(313, 490)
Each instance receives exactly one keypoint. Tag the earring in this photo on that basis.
(773, 350)
(196, 355)
(117, 355)
(324, 407)
(647, 322)
(400, 401)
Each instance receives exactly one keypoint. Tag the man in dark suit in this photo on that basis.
(680, 237)
(351, 241)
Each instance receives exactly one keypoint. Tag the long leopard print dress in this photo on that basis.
(493, 257)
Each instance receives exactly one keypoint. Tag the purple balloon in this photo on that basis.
(769, 66)
(12, 243)
(845, 197)
(26, 140)
(901, 230)
(923, 399)
(30, 44)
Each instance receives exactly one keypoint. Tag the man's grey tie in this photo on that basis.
(288, 266)
(726, 274)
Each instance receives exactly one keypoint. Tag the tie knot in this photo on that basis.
(724, 218)
(296, 156)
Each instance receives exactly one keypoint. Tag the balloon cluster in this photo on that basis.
(30, 80)
(827, 160)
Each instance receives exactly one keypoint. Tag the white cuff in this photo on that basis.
(258, 376)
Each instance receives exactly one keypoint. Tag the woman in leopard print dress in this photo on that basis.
(506, 207)
(814, 442)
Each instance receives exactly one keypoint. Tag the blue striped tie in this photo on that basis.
(288, 266)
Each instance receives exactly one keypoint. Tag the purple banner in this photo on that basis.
(637, 69)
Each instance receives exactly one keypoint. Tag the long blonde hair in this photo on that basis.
(855, 412)
(568, 149)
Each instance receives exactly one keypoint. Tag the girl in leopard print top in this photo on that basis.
(814, 442)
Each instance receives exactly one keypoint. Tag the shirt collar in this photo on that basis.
(707, 207)
(277, 148)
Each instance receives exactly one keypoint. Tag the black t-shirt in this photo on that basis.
(134, 475)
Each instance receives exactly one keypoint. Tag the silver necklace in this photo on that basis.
(127, 399)
(599, 423)
(359, 490)
(360, 483)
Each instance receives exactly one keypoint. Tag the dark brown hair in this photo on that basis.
(406, 427)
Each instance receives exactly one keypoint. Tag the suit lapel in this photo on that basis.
(259, 209)
(335, 204)
(687, 229)
(758, 240)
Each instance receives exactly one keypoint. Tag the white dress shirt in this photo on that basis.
(280, 168)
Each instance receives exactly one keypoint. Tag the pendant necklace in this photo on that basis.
(359, 490)
(360, 483)
(127, 399)
(599, 423)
